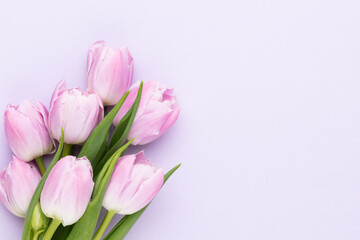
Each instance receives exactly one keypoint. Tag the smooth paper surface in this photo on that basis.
(269, 128)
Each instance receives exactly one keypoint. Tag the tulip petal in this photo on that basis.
(68, 189)
(118, 182)
(148, 89)
(17, 185)
(147, 127)
(76, 112)
(134, 183)
(157, 112)
(26, 130)
(123, 227)
(146, 192)
(110, 72)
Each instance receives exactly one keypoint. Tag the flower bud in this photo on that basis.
(39, 221)
(67, 190)
(26, 130)
(76, 112)
(158, 111)
(134, 183)
(110, 72)
(17, 186)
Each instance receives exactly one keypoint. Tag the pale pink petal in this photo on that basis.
(158, 111)
(147, 93)
(110, 72)
(26, 130)
(147, 127)
(145, 194)
(118, 182)
(68, 189)
(134, 183)
(17, 185)
(78, 113)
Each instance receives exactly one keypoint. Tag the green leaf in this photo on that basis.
(124, 126)
(126, 223)
(36, 197)
(121, 132)
(85, 227)
(103, 148)
(99, 136)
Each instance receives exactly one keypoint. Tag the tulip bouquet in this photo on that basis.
(89, 169)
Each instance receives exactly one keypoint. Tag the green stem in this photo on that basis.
(41, 165)
(37, 234)
(67, 150)
(104, 225)
(51, 230)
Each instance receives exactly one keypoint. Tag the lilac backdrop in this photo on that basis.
(269, 132)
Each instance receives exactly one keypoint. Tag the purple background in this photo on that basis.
(269, 132)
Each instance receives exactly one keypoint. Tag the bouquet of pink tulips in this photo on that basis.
(64, 200)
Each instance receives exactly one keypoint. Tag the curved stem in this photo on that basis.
(41, 165)
(67, 150)
(107, 219)
(51, 230)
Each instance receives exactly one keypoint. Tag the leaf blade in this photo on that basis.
(121, 131)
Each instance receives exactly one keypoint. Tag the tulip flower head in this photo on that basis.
(67, 190)
(76, 112)
(27, 131)
(110, 72)
(17, 186)
(134, 183)
(158, 111)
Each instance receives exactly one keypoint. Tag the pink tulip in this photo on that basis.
(158, 111)
(26, 130)
(76, 112)
(67, 190)
(134, 183)
(17, 186)
(110, 72)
